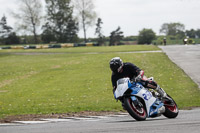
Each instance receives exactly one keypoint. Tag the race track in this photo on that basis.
(188, 121)
(186, 57)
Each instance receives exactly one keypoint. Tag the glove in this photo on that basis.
(140, 76)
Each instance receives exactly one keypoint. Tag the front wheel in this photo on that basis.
(171, 108)
(137, 111)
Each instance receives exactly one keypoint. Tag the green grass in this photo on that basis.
(73, 82)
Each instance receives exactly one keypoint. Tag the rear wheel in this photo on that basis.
(171, 108)
(138, 112)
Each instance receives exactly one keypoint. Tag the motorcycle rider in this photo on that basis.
(122, 70)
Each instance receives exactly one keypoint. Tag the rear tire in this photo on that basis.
(138, 113)
(171, 110)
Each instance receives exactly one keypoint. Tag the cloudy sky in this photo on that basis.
(133, 15)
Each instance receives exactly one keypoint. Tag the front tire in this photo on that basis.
(137, 112)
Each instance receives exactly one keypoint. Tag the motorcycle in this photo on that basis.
(142, 103)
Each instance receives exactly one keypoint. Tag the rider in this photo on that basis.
(122, 70)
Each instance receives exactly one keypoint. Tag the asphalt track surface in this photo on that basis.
(188, 121)
(187, 57)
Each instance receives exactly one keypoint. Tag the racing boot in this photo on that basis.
(162, 93)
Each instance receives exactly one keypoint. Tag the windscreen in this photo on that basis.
(122, 81)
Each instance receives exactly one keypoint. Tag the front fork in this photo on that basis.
(136, 102)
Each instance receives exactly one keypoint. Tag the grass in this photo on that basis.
(73, 82)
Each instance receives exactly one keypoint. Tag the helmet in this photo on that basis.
(116, 64)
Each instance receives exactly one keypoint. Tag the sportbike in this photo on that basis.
(142, 103)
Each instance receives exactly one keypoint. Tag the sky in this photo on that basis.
(132, 15)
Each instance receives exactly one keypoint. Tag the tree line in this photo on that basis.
(65, 18)
(61, 23)
(173, 30)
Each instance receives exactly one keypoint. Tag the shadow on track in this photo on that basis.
(147, 120)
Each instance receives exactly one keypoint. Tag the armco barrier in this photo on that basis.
(65, 45)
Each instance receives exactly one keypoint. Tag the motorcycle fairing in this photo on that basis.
(150, 101)
(122, 86)
(154, 108)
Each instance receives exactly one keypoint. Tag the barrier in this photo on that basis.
(55, 46)
(67, 45)
(64, 45)
(45, 46)
(79, 45)
(32, 47)
(89, 44)
(6, 48)
(39, 47)
(17, 47)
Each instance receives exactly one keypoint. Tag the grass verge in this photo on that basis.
(62, 83)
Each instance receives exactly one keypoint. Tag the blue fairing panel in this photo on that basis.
(136, 87)
(154, 108)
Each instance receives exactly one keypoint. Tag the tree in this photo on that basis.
(85, 14)
(29, 16)
(101, 37)
(6, 34)
(5, 30)
(48, 34)
(60, 25)
(172, 28)
(146, 36)
(116, 36)
(191, 33)
(12, 39)
(180, 35)
(197, 33)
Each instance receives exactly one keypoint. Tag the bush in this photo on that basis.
(146, 36)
